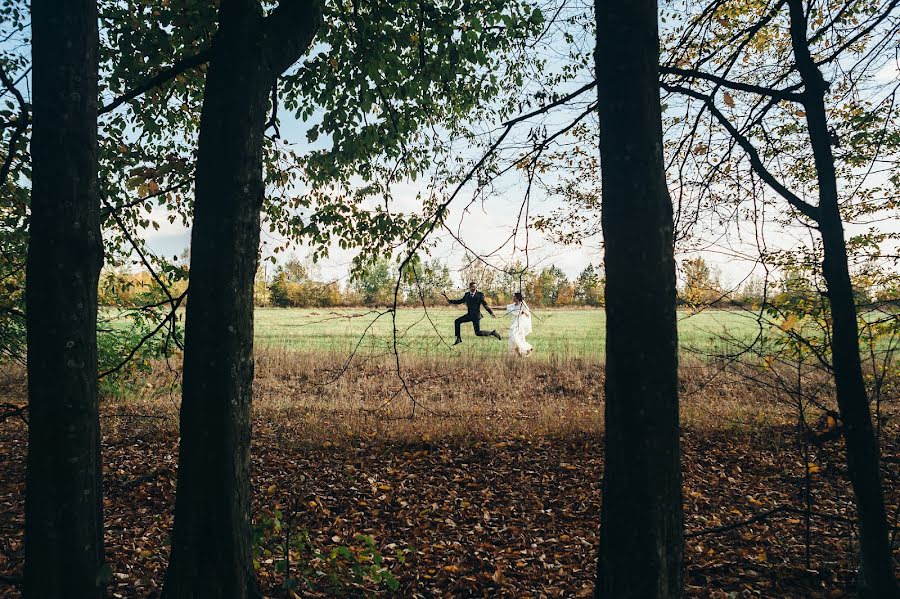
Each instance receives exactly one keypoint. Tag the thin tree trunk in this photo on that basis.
(211, 543)
(641, 536)
(63, 496)
(876, 576)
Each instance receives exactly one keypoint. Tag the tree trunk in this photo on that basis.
(641, 536)
(211, 543)
(63, 492)
(876, 572)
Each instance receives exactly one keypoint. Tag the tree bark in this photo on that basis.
(876, 572)
(211, 545)
(63, 492)
(211, 542)
(641, 533)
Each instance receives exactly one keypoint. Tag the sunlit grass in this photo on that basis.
(561, 334)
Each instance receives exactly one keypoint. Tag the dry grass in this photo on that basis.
(314, 398)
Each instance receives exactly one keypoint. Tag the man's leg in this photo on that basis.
(477, 324)
(456, 327)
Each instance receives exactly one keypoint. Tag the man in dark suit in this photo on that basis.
(473, 299)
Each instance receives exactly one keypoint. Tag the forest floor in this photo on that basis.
(493, 489)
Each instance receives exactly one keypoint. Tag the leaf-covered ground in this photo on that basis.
(510, 510)
(508, 518)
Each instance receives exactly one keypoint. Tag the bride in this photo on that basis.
(520, 327)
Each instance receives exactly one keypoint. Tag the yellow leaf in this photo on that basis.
(830, 422)
(451, 568)
(813, 468)
(789, 323)
(271, 489)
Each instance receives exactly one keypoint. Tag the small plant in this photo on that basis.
(338, 570)
(128, 345)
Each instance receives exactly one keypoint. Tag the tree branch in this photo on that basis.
(865, 31)
(21, 124)
(787, 94)
(134, 350)
(289, 31)
(547, 107)
(794, 200)
(164, 76)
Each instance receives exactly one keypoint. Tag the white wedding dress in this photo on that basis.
(520, 327)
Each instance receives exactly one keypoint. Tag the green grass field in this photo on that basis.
(573, 333)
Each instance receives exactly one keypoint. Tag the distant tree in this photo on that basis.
(515, 277)
(795, 288)
(430, 279)
(374, 283)
(482, 275)
(64, 550)
(565, 295)
(701, 283)
(261, 294)
(752, 292)
(556, 283)
(589, 287)
(294, 270)
(545, 286)
(284, 290)
(330, 295)
(279, 290)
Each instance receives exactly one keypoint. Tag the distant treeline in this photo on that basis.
(295, 284)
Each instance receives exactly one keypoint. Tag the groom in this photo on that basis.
(473, 299)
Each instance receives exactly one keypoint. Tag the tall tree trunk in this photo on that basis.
(641, 536)
(211, 543)
(63, 496)
(876, 572)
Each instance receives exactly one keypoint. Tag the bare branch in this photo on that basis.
(789, 94)
(794, 200)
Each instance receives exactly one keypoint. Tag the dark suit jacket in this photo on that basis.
(473, 303)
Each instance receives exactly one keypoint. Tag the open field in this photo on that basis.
(561, 333)
(492, 490)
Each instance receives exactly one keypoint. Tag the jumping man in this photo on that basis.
(473, 299)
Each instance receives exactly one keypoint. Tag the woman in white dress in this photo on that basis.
(520, 327)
